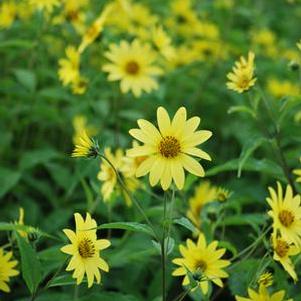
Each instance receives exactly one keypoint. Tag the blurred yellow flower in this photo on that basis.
(298, 173)
(47, 5)
(133, 65)
(263, 295)
(6, 270)
(204, 194)
(242, 75)
(80, 124)
(203, 261)
(286, 214)
(169, 149)
(265, 39)
(282, 252)
(85, 249)
(265, 279)
(282, 88)
(84, 146)
(8, 11)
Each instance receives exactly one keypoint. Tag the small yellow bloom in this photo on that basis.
(133, 65)
(85, 146)
(170, 149)
(286, 214)
(263, 295)
(282, 252)
(203, 261)
(85, 249)
(242, 75)
(282, 88)
(265, 279)
(6, 270)
(8, 11)
(298, 173)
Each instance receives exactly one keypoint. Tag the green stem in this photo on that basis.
(163, 251)
(134, 200)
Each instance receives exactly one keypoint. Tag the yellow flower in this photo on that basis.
(298, 173)
(6, 270)
(282, 252)
(241, 78)
(282, 88)
(204, 194)
(170, 149)
(8, 11)
(69, 67)
(263, 295)
(95, 29)
(85, 248)
(203, 261)
(47, 5)
(265, 279)
(132, 64)
(85, 146)
(163, 43)
(286, 214)
(207, 49)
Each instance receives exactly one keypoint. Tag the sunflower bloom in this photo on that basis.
(132, 64)
(298, 173)
(202, 260)
(242, 75)
(85, 146)
(282, 252)
(263, 295)
(6, 270)
(169, 149)
(85, 249)
(286, 214)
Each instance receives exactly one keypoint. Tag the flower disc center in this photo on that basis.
(281, 248)
(132, 67)
(86, 248)
(201, 265)
(169, 147)
(286, 217)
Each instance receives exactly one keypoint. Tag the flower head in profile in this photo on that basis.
(85, 250)
(263, 295)
(298, 173)
(133, 65)
(282, 252)
(85, 146)
(6, 269)
(242, 75)
(286, 214)
(170, 149)
(203, 261)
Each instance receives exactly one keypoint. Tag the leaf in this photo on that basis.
(169, 245)
(186, 223)
(245, 219)
(130, 226)
(9, 179)
(229, 246)
(249, 147)
(26, 78)
(63, 280)
(17, 43)
(31, 267)
(244, 109)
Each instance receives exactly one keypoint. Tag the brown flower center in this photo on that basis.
(281, 248)
(201, 265)
(286, 217)
(86, 248)
(132, 67)
(169, 147)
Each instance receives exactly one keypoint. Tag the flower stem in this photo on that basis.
(163, 251)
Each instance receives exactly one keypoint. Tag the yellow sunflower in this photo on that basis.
(85, 248)
(6, 270)
(169, 149)
(242, 75)
(282, 252)
(133, 65)
(286, 214)
(263, 295)
(84, 146)
(202, 260)
(298, 173)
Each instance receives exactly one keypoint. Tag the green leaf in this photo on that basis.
(186, 223)
(9, 179)
(130, 226)
(31, 267)
(63, 280)
(17, 43)
(249, 147)
(27, 79)
(229, 246)
(244, 109)
(245, 219)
